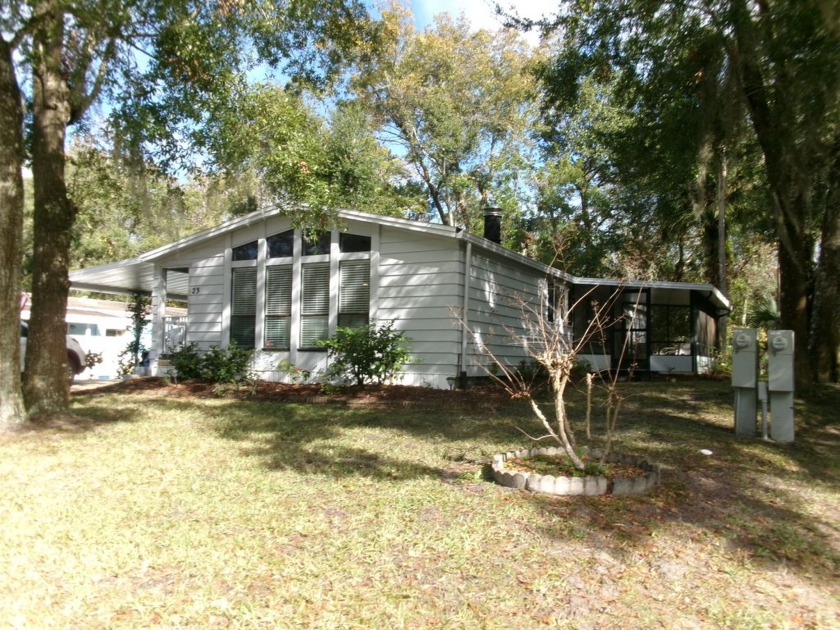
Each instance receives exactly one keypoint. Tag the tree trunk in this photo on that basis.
(11, 236)
(723, 282)
(793, 305)
(46, 386)
(825, 332)
(787, 174)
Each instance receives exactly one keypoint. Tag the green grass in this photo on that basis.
(163, 511)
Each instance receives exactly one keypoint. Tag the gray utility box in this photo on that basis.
(745, 379)
(780, 349)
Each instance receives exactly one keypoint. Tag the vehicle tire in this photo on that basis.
(72, 367)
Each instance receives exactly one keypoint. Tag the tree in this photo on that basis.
(11, 238)
(296, 156)
(780, 59)
(455, 105)
(197, 55)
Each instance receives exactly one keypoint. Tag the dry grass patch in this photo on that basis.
(205, 512)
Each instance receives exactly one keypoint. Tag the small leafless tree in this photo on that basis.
(551, 343)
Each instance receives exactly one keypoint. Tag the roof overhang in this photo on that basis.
(125, 276)
(138, 274)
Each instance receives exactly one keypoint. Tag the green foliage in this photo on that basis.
(367, 354)
(455, 105)
(216, 365)
(187, 362)
(295, 374)
(138, 309)
(765, 314)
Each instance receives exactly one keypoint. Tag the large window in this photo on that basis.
(348, 243)
(289, 290)
(316, 244)
(278, 306)
(315, 304)
(281, 245)
(354, 293)
(248, 251)
(243, 310)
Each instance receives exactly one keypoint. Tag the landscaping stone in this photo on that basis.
(591, 485)
(546, 484)
(562, 485)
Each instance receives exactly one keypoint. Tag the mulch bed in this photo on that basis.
(373, 395)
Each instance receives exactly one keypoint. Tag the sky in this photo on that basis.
(481, 13)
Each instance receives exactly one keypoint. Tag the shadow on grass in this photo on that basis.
(312, 439)
(777, 503)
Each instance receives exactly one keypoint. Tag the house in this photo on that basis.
(257, 281)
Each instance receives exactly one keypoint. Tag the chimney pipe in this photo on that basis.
(493, 225)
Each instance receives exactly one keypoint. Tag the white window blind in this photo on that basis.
(278, 306)
(243, 308)
(354, 293)
(315, 304)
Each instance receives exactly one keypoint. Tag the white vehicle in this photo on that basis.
(76, 358)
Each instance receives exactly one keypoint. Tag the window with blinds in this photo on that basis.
(278, 306)
(315, 304)
(243, 309)
(354, 293)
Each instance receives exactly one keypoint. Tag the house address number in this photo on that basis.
(195, 290)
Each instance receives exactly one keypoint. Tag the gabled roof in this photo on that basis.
(137, 274)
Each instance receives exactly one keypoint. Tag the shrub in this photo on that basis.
(216, 365)
(295, 374)
(226, 365)
(187, 362)
(366, 354)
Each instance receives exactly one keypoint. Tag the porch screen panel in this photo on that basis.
(315, 304)
(354, 293)
(278, 306)
(243, 307)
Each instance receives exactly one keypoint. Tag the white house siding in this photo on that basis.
(497, 290)
(420, 288)
(204, 294)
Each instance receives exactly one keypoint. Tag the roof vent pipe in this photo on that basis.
(493, 225)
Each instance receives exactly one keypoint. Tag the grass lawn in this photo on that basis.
(164, 509)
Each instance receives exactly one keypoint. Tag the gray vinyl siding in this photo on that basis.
(420, 283)
(496, 289)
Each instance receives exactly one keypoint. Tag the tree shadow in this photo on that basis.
(756, 496)
(308, 438)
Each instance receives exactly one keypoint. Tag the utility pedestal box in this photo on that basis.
(745, 379)
(780, 384)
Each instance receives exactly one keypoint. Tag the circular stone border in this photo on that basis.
(591, 485)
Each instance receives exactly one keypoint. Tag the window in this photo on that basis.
(354, 293)
(243, 306)
(315, 304)
(278, 306)
(248, 251)
(89, 330)
(316, 243)
(349, 243)
(281, 245)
